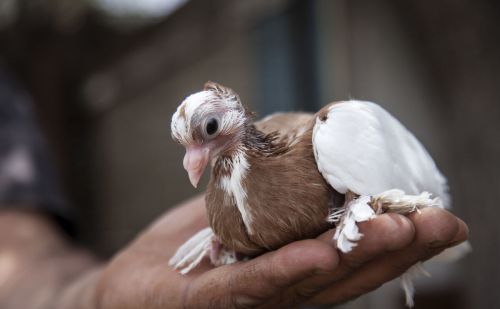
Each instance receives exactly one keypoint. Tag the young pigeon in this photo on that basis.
(292, 176)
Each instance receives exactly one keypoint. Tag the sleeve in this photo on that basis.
(27, 176)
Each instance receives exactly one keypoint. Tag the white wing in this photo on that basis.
(362, 148)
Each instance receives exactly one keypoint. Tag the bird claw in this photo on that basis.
(347, 233)
(203, 244)
(365, 208)
(220, 255)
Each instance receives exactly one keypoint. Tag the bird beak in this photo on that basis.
(195, 162)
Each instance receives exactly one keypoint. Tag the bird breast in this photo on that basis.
(277, 199)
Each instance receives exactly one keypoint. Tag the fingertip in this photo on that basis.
(437, 228)
(462, 234)
(463, 226)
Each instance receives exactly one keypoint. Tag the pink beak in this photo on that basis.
(195, 162)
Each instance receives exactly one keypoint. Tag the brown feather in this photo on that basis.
(286, 195)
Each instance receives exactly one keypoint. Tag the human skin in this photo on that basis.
(45, 271)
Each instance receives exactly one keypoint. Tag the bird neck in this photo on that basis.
(256, 142)
(251, 143)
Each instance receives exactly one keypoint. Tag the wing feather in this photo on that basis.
(288, 126)
(362, 148)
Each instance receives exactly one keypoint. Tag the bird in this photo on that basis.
(292, 176)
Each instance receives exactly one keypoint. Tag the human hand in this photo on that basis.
(307, 271)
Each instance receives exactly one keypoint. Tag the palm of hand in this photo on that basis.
(309, 271)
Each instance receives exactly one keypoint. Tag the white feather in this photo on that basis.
(232, 119)
(192, 252)
(181, 125)
(347, 232)
(407, 281)
(199, 246)
(233, 185)
(195, 100)
(362, 148)
(365, 208)
(196, 103)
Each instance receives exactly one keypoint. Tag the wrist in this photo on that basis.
(40, 268)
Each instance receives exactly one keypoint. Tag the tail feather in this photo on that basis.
(407, 281)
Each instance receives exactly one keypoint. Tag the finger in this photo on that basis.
(254, 282)
(436, 229)
(383, 234)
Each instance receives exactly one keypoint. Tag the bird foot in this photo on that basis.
(203, 244)
(364, 208)
(192, 252)
(220, 255)
(347, 233)
(396, 201)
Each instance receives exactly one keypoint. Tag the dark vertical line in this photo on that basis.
(305, 55)
(274, 59)
(286, 58)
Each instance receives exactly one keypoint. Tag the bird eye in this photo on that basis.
(212, 126)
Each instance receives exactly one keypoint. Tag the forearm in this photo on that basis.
(38, 267)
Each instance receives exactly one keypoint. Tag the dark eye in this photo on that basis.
(212, 126)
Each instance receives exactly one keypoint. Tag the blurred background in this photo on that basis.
(106, 76)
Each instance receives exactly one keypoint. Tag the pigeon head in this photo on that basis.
(208, 124)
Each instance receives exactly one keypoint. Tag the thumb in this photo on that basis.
(255, 282)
